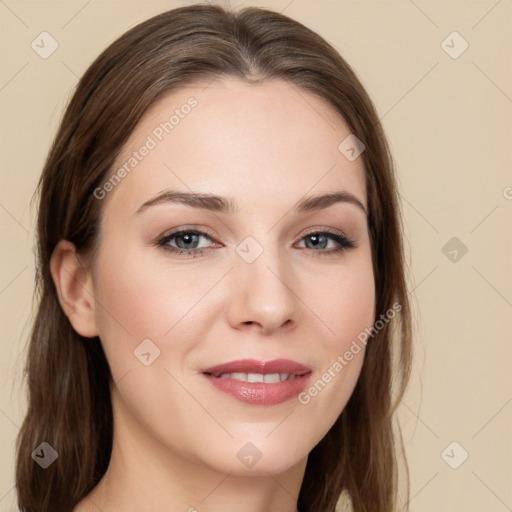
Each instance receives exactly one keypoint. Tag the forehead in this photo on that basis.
(238, 139)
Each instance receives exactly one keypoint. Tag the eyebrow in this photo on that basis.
(221, 204)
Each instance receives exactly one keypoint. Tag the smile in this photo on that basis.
(256, 377)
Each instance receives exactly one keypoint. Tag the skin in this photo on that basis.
(176, 437)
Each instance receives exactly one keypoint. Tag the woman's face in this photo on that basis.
(254, 276)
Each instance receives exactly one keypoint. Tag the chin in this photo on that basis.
(258, 457)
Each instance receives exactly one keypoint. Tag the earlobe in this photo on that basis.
(74, 289)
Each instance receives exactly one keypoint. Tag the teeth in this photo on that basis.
(257, 377)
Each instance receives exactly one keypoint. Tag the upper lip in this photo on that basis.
(263, 367)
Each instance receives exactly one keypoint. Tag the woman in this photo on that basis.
(221, 280)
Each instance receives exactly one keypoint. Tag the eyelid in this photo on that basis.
(320, 229)
(189, 229)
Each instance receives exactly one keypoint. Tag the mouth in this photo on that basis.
(257, 382)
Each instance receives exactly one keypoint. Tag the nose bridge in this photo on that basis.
(263, 285)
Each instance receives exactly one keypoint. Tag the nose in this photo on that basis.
(264, 295)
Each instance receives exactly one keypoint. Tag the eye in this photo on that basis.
(193, 243)
(319, 241)
(184, 242)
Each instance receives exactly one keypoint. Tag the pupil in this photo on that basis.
(188, 238)
(317, 240)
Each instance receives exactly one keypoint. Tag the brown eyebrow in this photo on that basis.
(326, 200)
(195, 199)
(220, 204)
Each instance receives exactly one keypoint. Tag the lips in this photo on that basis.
(262, 367)
(257, 382)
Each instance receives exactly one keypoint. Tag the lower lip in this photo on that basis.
(260, 393)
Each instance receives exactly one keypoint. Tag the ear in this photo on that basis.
(74, 289)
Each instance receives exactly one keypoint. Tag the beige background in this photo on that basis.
(449, 123)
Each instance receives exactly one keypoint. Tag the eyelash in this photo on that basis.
(344, 242)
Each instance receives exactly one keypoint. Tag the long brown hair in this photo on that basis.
(68, 376)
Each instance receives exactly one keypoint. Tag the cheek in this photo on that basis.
(129, 308)
(347, 300)
(138, 300)
(128, 298)
(347, 309)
